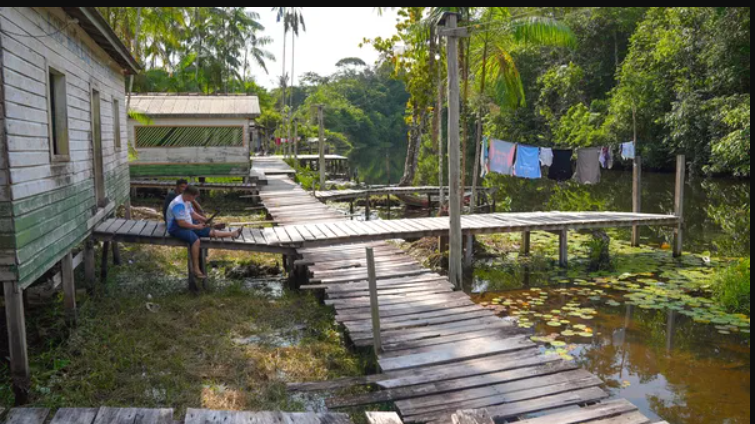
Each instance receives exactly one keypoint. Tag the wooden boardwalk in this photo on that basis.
(106, 415)
(442, 352)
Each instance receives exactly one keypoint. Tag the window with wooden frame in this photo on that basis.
(117, 124)
(58, 115)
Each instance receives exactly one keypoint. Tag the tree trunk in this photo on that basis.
(478, 138)
(412, 152)
(436, 113)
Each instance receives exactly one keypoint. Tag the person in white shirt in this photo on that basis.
(187, 225)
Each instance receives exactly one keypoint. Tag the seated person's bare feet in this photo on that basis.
(198, 273)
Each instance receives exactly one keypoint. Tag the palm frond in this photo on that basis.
(543, 31)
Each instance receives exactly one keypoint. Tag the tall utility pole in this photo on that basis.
(455, 270)
(321, 120)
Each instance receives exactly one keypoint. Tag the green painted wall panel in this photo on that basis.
(51, 224)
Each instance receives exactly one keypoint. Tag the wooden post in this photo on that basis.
(117, 261)
(636, 197)
(203, 260)
(103, 263)
(368, 210)
(454, 153)
(430, 205)
(374, 302)
(127, 209)
(321, 120)
(681, 173)
(192, 278)
(19, 355)
(526, 243)
(69, 287)
(388, 199)
(89, 264)
(351, 209)
(563, 248)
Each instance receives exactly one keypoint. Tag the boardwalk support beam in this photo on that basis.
(563, 248)
(374, 301)
(89, 264)
(636, 198)
(104, 262)
(69, 288)
(19, 355)
(526, 243)
(681, 171)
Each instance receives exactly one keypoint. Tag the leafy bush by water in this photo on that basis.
(732, 288)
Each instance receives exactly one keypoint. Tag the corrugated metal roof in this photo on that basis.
(196, 106)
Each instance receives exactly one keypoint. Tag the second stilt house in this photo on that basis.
(185, 135)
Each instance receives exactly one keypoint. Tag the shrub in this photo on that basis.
(732, 289)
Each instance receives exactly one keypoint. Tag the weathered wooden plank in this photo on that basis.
(472, 417)
(75, 416)
(116, 416)
(583, 415)
(383, 418)
(27, 416)
(465, 351)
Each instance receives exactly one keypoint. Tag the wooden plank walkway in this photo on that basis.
(243, 187)
(340, 195)
(358, 232)
(106, 415)
(156, 233)
(271, 166)
(442, 352)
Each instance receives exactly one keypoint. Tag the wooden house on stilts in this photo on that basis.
(192, 135)
(63, 150)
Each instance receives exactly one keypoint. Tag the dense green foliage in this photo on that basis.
(732, 288)
(685, 71)
(570, 76)
(193, 49)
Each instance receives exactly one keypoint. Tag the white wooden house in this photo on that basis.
(63, 147)
(193, 135)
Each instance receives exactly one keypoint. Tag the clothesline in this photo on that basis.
(524, 161)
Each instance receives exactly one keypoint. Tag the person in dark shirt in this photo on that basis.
(172, 194)
(177, 191)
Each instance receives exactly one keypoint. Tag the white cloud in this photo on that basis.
(333, 33)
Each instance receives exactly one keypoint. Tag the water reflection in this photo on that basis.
(670, 367)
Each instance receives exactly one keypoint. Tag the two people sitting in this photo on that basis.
(185, 222)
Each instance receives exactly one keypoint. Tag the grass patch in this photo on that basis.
(143, 341)
(732, 287)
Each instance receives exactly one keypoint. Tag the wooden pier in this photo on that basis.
(440, 352)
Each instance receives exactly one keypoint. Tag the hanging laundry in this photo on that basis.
(502, 154)
(588, 165)
(546, 157)
(528, 162)
(628, 151)
(561, 168)
(485, 159)
(606, 158)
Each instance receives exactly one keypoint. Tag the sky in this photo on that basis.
(333, 33)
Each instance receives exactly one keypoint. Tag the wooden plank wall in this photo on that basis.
(206, 156)
(7, 242)
(53, 203)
